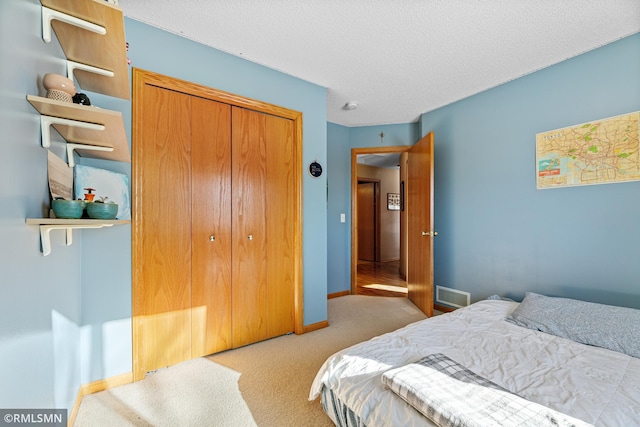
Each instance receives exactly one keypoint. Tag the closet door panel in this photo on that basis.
(280, 216)
(162, 299)
(249, 229)
(211, 226)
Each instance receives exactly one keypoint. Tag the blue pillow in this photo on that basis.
(607, 326)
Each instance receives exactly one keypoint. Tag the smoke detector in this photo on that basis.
(351, 105)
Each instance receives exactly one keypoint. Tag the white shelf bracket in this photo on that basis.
(72, 65)
(47, 121)
(49, 14)
(45, 233)
(72, 146)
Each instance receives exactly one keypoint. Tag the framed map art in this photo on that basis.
(598, 152)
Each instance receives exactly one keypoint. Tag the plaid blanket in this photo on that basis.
(452, 396)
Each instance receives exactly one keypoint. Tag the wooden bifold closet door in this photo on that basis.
(216, 248)
(210, 226)
(262, 212)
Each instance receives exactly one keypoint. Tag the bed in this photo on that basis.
(578, 361)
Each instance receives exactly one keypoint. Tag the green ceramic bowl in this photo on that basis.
(97, 210)
(68, 209)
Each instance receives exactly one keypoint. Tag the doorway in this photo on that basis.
(417, 166)
(376, 223)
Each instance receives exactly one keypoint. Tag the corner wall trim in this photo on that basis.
(338, 294)
(94, 387)
(316, 326)
(443, 308)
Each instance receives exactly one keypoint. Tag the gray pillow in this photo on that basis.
(607, 326)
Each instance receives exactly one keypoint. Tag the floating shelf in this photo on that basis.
(93, 132)
(99, 42)
(91, 34)
(48, 224)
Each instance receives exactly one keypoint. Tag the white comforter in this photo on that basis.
(599, 386)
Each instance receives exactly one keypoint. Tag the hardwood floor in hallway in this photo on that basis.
(381, 279)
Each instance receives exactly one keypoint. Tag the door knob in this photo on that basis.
(212, 238)
(426, 233)
(250, 237)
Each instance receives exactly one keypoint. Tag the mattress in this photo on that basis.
(592, 384)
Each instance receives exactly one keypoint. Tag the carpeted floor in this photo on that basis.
(274, 376)
(194, 393)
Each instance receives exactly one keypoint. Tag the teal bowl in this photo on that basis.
(68, 209)
(97, 210)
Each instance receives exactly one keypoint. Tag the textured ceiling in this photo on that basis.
(396, 58)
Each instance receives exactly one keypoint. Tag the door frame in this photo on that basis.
(141, 78)
(355, 152)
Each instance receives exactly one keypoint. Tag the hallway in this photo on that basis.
(380, 279)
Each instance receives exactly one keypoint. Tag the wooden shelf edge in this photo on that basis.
(79, 221)
(70, 110)
(113, 136)
(68, 225)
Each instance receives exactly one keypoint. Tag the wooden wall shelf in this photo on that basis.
(48, 224)
(105, 51)
(113, 136)
(91, 34)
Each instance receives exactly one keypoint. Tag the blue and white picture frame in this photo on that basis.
(112, 185)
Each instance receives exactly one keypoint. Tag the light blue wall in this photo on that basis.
(40, 314)
(497, 233)
(339, 201)
(65, 319)
(394, 135)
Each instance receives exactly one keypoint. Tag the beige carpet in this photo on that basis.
(194, 393)
(274, 376)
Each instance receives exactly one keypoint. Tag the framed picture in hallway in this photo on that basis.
(393, 201)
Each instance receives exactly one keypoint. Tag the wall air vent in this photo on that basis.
(452, 297)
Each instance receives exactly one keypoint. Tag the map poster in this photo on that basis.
(599, 152)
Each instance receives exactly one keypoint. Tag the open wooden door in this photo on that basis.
(419, 205)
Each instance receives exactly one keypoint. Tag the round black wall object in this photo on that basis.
(315, 169)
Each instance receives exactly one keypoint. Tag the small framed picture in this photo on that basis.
(393, 201)
(105, 183)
